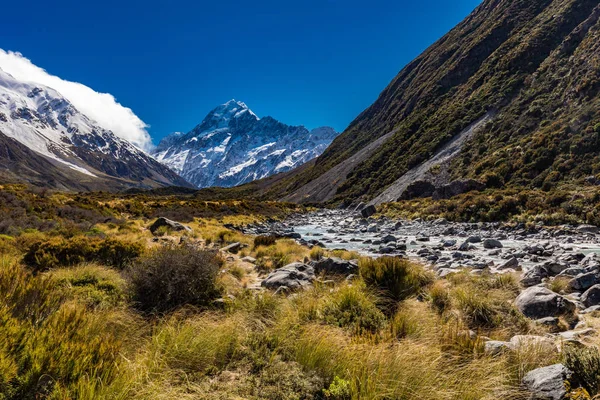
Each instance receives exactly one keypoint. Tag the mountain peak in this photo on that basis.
(222, 115)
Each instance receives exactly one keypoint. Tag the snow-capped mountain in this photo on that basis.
(233, 146)
(42, 120)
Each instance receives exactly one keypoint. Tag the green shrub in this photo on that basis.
(60, 252)
(396, 279)
(264, 241)
(352, 307)
(171, 277)
(338, 390)
(95, 286)
(585, 364)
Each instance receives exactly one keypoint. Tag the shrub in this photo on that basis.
(396, 279)
(59, 252)
(585, 364)
(338, 390)
(96, 286)
(171, 277)
(352, 307)
(264, 241)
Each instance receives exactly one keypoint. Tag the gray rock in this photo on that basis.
(473, 239)
(492, 244)
(457, 187)
(547, 383)
(591, 297)
(232, 248)
(389, 238)
(534, 276)
(588, 229)
(513, 263)
(334, 266)
(368, 211)
(495, 347)
(583, 282)
(292, 276)
(539, 302)
(418, 189)
(173, 225)
(249, 259)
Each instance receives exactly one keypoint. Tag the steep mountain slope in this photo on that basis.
(62, 145)
(233, 146)
(534, 64)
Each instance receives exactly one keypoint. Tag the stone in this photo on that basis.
(512, 263)
(334, 266)
(457, 187)
(540, 343)
(368, 211)
(539, 302)
(547, 383)
(588, 229)
(232, 248)
(583, 282)
(417, 190)
(389, 238)
(534, 276)
(473, 239)
(495, 347)
(293, 276)
(492, 244)
(173, 225)
(249, 259)
(591, 297)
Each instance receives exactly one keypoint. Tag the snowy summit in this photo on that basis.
(233, 146)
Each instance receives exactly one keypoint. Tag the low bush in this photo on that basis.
(171, 277)
(585, 364)
(264, 241)
(352, 307)
(94, 285)
(60, 252)
(396, 279)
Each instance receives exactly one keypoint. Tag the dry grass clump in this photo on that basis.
(283, 252)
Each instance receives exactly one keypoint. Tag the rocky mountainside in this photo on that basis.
(233, 146)
(46, 141)
(529, 68)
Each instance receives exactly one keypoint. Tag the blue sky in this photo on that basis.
(303, 62)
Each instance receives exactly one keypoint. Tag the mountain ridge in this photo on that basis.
(535, 62)
(46, 123)
(232, 146)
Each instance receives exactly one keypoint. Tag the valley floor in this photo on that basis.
(100, 303)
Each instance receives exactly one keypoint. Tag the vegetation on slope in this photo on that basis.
(536, 64)
(183, 320)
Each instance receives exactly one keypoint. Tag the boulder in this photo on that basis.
(512, 263)
(495, 347)
(534, 276)
(172, 225)
(418, 190)
(588, 229)
(368, 211)
(591, 297)
(539, 302)
(249, 259)
(492, 244)
(457, 187)
(293, 276)
(334, 266)
(583, 281)
(232, 248)
(389, 238)
(547, 383)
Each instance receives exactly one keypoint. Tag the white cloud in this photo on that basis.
(101, 107)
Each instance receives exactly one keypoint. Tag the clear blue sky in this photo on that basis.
(304, 62)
